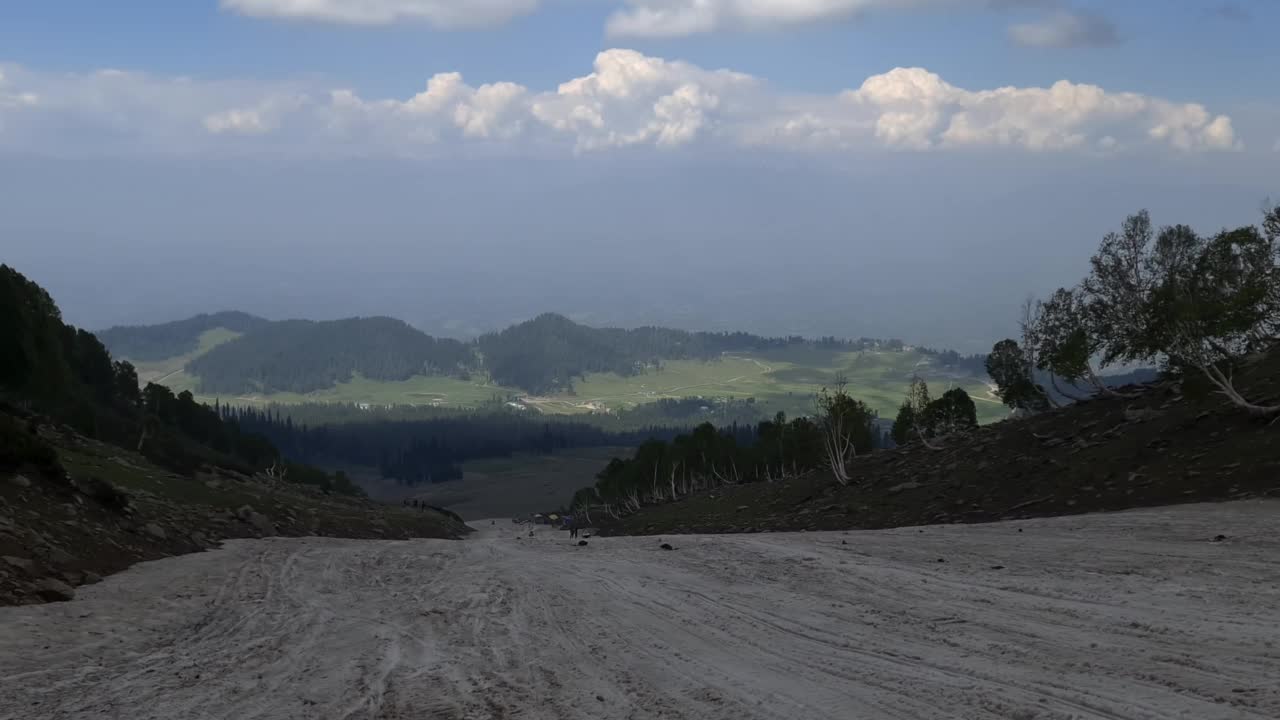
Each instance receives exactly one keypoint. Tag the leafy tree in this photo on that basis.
(1198, 303)
(1215, 301)
(847, 428)
(706, 458)
(922, 411)
(954, 412)
(1008, 367)
(1066, 342)
(125, 380)
(1117, 291)
(924, 418)
(904, 425)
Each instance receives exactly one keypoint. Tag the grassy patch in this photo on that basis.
(787, 381)
(169, 371)
(780, 380)
(418, 390)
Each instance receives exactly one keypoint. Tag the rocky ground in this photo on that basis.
(111, 509)
(1159, 448)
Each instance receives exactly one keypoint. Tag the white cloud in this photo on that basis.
(244, 122)
(673, 18)
(648, 18)
(912, 108)
(258, 120)
(1064, 29)
(629, 99)
(15, 99)
(441, 13)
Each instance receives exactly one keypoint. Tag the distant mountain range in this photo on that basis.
(544, 355)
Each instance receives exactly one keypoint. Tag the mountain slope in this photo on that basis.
(87, 509)
(1104, 454)
(302, 356)
(96, 473)
(149, 343)
(551, 352)
(565, 366)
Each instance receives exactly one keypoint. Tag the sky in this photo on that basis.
(904, 168)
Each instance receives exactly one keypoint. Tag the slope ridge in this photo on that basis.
(1109, 453)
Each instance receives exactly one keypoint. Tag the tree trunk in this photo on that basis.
(1227, 387)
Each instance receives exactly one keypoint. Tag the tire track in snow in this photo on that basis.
(1128, 616)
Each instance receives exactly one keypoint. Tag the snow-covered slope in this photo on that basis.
(1131, 615)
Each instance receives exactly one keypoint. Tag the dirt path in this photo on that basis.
(1136, 615)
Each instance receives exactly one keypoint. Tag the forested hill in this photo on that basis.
(301, 356)
(548, 353)
(545, 355)
(159, 342)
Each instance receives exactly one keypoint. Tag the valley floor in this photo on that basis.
(1129, 615)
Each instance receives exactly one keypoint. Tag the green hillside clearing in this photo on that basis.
(784, 380)
(167, 371)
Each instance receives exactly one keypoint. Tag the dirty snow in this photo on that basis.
(1129, 615)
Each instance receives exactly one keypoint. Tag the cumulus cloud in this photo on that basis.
(631, 99)
(441, 13)
(912, 108)
(1063, 29)
(628, 99)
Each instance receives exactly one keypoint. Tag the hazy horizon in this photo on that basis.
(853, 169)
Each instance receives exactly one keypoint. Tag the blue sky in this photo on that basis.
(1205, 50)
(773, 165)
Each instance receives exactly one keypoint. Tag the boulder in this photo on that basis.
(54, 590)
(19, 481)
(260, 522)
(155, 531)
(104, 492)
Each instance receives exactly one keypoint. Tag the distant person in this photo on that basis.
(573, 528)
